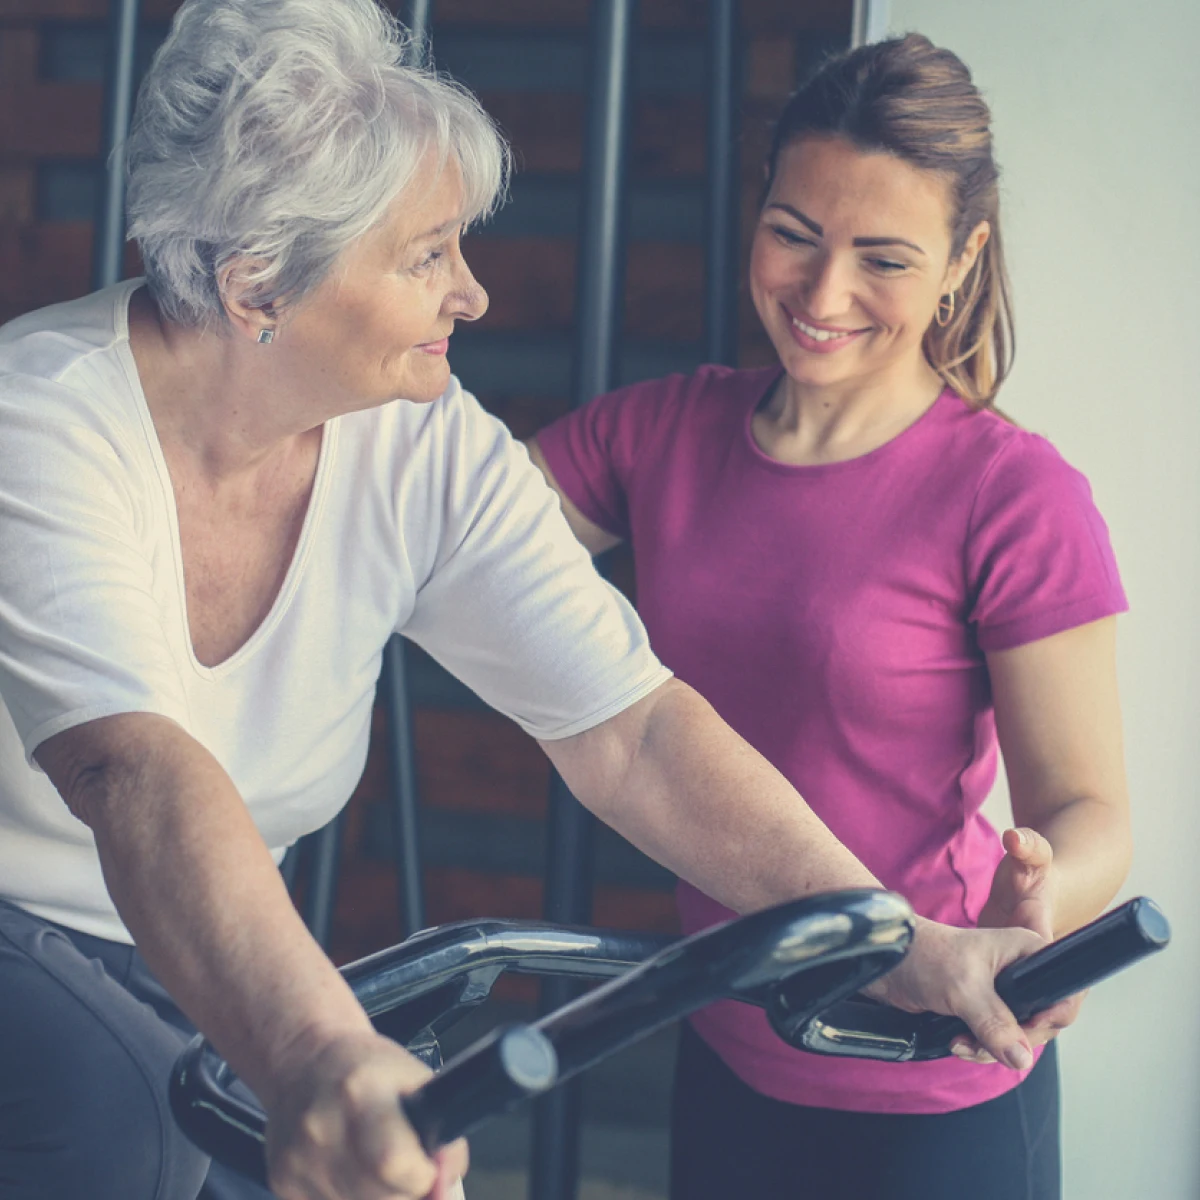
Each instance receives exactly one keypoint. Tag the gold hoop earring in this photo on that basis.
(946, 304)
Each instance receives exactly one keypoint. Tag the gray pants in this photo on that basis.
(87, 1040)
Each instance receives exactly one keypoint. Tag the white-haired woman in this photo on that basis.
(223, 489)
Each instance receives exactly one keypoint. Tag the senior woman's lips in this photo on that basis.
(438, 347)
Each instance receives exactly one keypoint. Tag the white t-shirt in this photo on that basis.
(424, 518)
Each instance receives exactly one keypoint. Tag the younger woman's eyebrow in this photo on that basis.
(887, 241)
(795, 212)
(859, 241)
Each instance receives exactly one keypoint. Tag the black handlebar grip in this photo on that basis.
(1068, 966)
(1083, 958)
(861, 1028)
(513, 1063)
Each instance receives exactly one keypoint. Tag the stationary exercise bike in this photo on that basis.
(803, 962)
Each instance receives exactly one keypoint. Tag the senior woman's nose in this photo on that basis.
(467, 300)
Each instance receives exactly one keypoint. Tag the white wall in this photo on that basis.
(1097, 120)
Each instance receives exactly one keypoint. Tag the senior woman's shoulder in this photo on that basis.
(404, 435)
(67, 367)
(56, 335)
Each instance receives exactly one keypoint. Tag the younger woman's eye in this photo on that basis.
(790, 237)
(888, 266)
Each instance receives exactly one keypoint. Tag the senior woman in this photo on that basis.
(223, 489)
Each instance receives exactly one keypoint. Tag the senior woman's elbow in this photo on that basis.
(102, 763)
(601, 764)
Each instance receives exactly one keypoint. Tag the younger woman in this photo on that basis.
(879, 581)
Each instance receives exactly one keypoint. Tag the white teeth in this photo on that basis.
(818, 335)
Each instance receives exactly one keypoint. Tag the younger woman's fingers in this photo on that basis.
(1028, 846)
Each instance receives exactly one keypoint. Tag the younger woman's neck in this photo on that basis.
(805, 424)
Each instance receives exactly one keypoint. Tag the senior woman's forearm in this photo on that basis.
(670, 776)
(198, 890)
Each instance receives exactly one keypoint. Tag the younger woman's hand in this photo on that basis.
(1023, 895)
(1023, 886)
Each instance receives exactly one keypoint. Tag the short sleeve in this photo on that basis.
(80, 631)
(592, 452)
(513, 605)
(1039, 556)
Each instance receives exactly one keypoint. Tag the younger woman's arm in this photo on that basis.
(596, 540)
(1058, 719)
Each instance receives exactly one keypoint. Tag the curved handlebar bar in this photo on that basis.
(861, 1028)
(435, 977)
(801, 961)
(842, 939)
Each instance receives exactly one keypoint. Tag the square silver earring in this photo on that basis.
(266, 337)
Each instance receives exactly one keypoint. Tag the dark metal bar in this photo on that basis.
(290, 865)
(869, 21)
(600, 280)
(108, 247)
(723, 234)
(325, 847)
(403, 757)
(416, 15)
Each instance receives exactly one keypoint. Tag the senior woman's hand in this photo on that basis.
(336, 1132)
(952, 971)
(670, 776)
(192, 878)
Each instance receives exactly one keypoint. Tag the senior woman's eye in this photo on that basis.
(429, 261)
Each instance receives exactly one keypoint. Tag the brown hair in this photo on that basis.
(909, 98)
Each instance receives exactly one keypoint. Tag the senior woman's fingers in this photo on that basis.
(451, 1166)
(338, 1130)
(951, 970)
(1041, 1029)
(1054, 1020)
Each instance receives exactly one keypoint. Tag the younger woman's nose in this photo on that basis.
(826, 289)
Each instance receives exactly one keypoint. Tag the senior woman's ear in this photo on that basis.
(248, 315)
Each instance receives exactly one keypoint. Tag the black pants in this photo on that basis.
(728, 1142)
(87, 1040)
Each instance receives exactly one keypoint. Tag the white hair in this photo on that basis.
(277, 132)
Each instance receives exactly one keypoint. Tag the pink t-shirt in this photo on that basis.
(837, 616)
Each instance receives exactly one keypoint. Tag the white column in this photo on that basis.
(1096, 115)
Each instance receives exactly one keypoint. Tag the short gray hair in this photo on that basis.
(279, 131)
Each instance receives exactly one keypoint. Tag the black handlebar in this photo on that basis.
(860, 1028)
(499, 1071)
(846, 938)
(802, 961)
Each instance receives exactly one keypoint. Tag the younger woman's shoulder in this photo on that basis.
(708, 384)
(677, 401)
(1004, 453)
